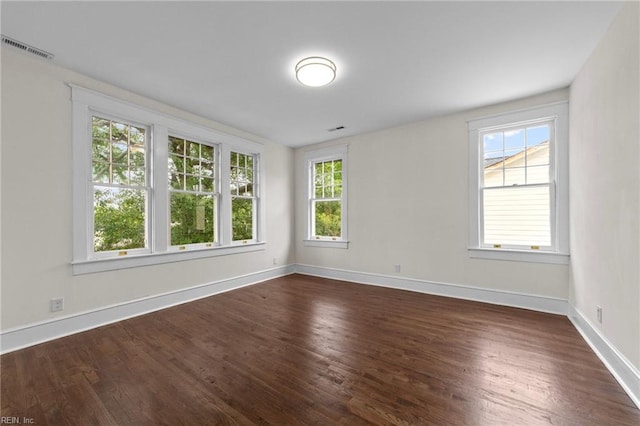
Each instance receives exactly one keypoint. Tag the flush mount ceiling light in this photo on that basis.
(315, 71)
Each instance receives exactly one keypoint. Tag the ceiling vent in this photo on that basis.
(25, 47)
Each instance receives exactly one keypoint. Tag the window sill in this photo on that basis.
(134, 261)
(341, 244)
(520, 255)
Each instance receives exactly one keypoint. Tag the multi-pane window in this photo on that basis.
(326, 200)
(516, 186)
(120, 190)
(243, 196)
(145, 193)
(192, 194)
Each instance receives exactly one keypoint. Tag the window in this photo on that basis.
(518, 185)
(192, 195)
(243, 199)
(119, 186)
(327, 200)
(147, 187)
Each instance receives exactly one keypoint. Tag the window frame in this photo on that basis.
(558, 252)
(215, 194)
(87, 103)
(311, 158)
(255, 197)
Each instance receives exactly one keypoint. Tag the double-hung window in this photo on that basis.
(120, 187)
(518, 181)
(192, 193)
(243, 196)
(148, 187)
(327, 197)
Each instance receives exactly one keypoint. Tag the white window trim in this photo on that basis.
(331, 153)
(558, 111)
(86, 102)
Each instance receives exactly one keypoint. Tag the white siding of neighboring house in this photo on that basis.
(515, 214)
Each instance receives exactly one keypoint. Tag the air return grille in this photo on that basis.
(25, 47)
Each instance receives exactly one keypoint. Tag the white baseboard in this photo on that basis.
(496, 297)
(625, 373)
(33, 334)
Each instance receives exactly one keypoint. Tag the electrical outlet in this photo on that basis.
(599, 314)
(57, 304)
(397, 268)
(275, 261)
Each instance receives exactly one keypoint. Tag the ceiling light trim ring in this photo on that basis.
(315, 71)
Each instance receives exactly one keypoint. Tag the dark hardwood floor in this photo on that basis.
(304, 350)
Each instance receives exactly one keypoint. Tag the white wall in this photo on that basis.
(408, 205)
(605, 186)
(37, 202)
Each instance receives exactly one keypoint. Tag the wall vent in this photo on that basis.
(25, 47)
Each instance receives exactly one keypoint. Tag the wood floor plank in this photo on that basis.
(306, 350)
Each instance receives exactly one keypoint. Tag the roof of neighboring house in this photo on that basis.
(496, 163)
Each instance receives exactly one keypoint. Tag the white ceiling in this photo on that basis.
(397, 61)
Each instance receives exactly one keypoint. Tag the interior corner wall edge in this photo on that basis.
(605, 186)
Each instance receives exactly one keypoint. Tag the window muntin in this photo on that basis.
(326, 200)
(516, 186)
(242, 186)
(104, 165)
(192, 193)
(120, 219)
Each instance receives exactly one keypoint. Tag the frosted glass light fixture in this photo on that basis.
(315, 71)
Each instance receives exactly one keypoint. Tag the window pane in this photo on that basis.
(119, 153)
(494, 175)
(242, 218)
(207, 152)
(176, 164)
(176, 145)
(136, 135)
(119, 132)
(206, 169)
(517, 215)
(514, 176)
(136, 157)
(194, 149)
(100, 128)
(101, 172)
(538, 134)
(207, 185)
(136, 177)
(119, 219)
(120, 174)
(538, 155)
(538, 174)
(192, 219)
(100, 149)
(192, 183)
(176, 181)
(492, 142)
(514, 139)
(327, 219)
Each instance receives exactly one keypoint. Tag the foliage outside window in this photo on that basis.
(192, 192)
(146, 187)
(120, 219)
(243, 200)
(327, 197)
